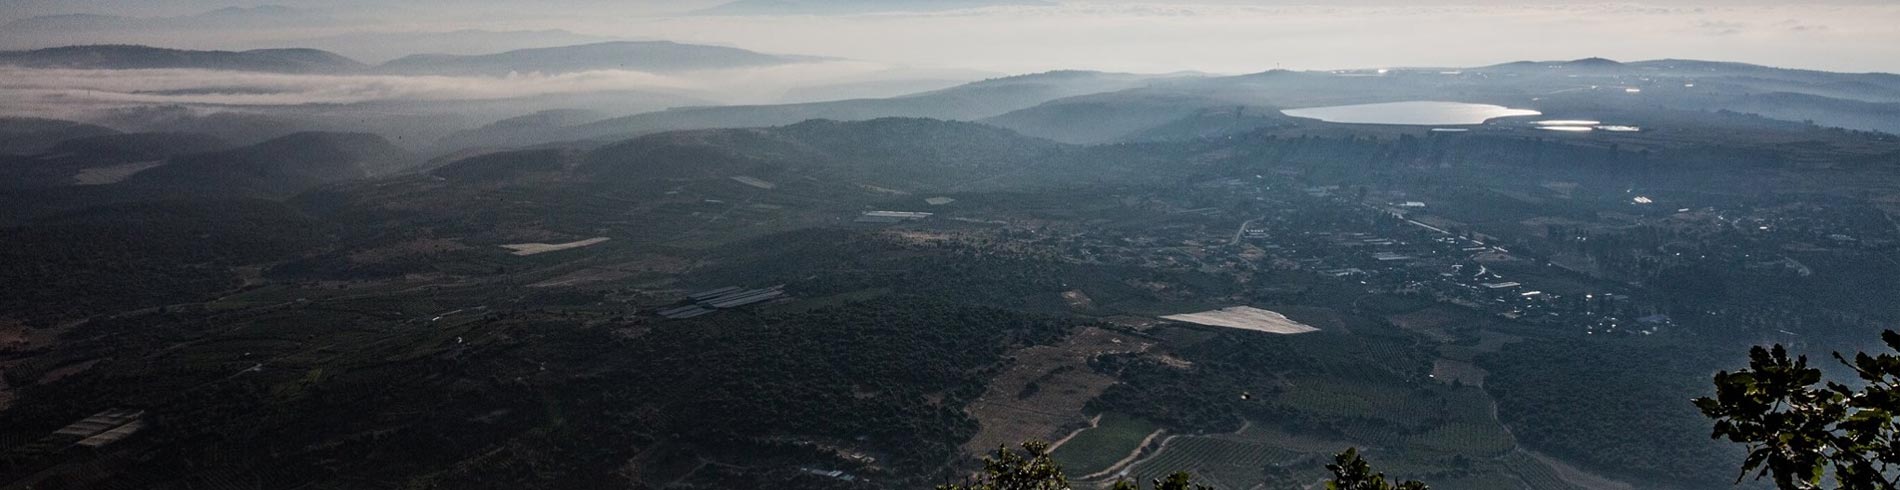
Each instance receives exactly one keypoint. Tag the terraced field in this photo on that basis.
(1332, 397)
(1472, 439)
(1534, 473)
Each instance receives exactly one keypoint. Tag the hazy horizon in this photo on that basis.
(864, 244)
(796, 51)
(1126, 36)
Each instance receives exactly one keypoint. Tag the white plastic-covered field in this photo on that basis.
(541, 248)
(1245, 318)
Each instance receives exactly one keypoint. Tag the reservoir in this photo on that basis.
(1410, 113)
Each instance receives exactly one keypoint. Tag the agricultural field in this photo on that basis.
(1487, 342)
(1536, 474)
(1095, 450)
(1459, 372)
(1332, 397)
(1468, 438)
(1221, 462)
(1436, 322)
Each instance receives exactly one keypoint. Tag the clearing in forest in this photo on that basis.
(112, 174)
(1042, 392)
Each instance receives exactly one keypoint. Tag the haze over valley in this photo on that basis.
(864, 244)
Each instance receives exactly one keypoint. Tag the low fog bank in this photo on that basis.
(415, 110)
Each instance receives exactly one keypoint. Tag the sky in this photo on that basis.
(1140, 36)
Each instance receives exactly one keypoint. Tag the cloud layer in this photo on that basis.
(68, 92)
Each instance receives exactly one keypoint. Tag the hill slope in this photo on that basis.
(966, 102)
(280, 167)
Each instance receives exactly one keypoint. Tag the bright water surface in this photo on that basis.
(1410, 113)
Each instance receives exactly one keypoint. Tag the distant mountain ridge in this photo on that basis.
(1589, 88)
(125, 57)
(967, 102)
(651, 56)
(648, 56)
(264, 16)
(834, 7)
(380, 46)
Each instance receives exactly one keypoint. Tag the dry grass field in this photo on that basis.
(1043, 390)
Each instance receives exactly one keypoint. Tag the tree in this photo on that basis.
(1007, 470)
(1035, 470)
(1179, 480)
(1798, 432)
(1352, 472)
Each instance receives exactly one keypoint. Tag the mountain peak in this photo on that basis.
(1595, 61)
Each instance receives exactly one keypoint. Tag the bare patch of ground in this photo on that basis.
(920, 237)
(755, 182)
(112, 174)
(883, 190)
(583, 276)
(1044, 389)
(1174, 362)
(1141, 323)
(541, 248)
(12, 336)
(62, 372)
(1078, 300)
(1245, 318)
(16, 336)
